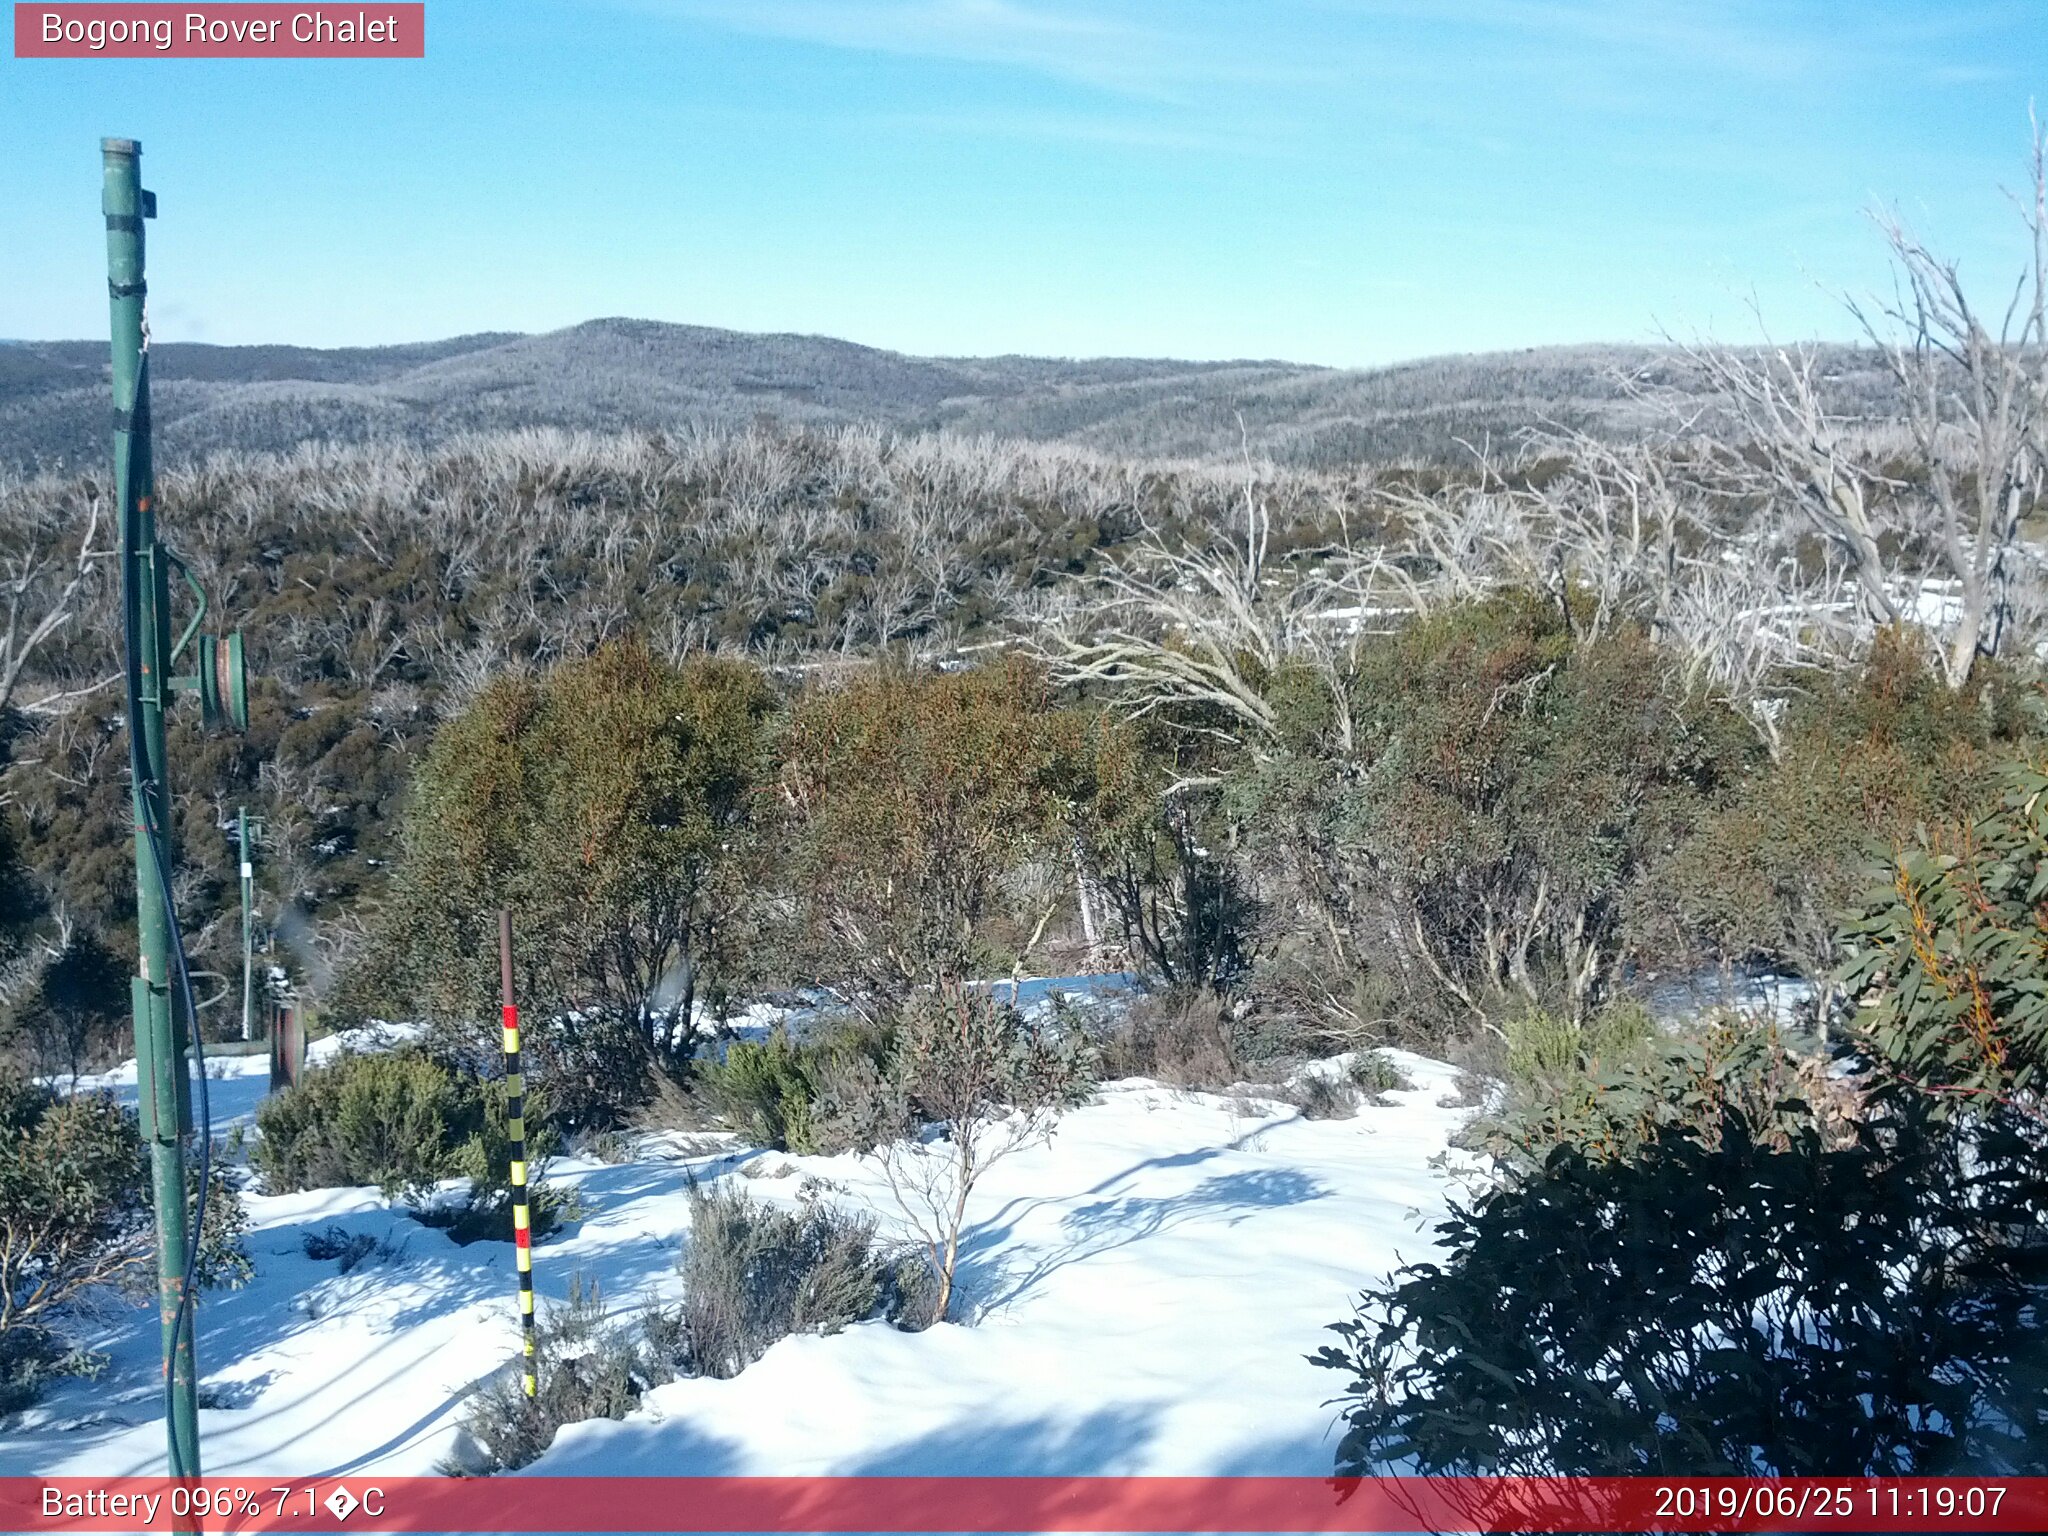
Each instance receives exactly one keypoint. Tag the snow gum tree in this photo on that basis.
(1972, 420)
(1508, 792)
(607, 803)
(910, 807)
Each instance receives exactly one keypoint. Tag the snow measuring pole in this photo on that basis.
(161, 994)
(245, 830)
(515, 1117)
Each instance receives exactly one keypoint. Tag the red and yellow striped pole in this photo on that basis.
(515, 1115)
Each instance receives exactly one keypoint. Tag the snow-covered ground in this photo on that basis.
(1145, 1286)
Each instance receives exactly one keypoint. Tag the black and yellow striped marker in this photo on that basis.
(515, 1115)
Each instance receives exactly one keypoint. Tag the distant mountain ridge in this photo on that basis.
(622, 374)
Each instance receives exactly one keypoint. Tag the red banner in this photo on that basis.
(239, 31)
(992, 1504)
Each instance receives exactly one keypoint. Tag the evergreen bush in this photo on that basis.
(395, 1119)
(1545, 1049)
(606, 803)
(1511, 789)
(754, 1273)
(1950, 956)
(75, 1222)
(1722, 1297)
(823, 1092)
(404, 1121)
(911, 803)
(1869, 754)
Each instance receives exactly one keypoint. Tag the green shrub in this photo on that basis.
(1611, 1109)
(1950, 954)
(1728, 1295)
(1324, 1095)
(1374, 1074)
(760, 1087)
(606, 803)
(395, 1119)
(486, 1156)
(910, 804)
(1511, 791)
(755, 1273)
(75, 1195)
(34, 1357)
(1868, 755)
(1544, 1048)
(76, 1019)
(858, 1106)
(824, 1093)
(487, 1215)
(1541, 1045)
(223, 1261)
(911, 1291)
(1720, 1258)
(339, 1245)
(596, 1064)
(75, 1192)
(404, 1121)
(1183, 902)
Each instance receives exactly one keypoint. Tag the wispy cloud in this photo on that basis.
(1085, 128)
(1502, 80)
(1766, 41)
(1970, 74)
(1742, 40)
(1091, 46)
(1171, 50)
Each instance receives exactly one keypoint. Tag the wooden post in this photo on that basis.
(287, 1046)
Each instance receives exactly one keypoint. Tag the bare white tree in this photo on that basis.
(1199, 630)
(1627, 534)
(43, 585)
(1973, 402)
(987, 1083)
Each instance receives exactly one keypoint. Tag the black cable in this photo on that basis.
(144, 788)
(205, 1126)
(182, 1323)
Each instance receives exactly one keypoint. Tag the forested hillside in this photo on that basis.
(614, 374)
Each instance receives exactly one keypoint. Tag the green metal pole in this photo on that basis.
(248, 932)
(160, 1035)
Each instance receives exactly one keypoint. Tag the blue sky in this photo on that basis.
(1331, 181)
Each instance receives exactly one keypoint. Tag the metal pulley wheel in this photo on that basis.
(223, 682)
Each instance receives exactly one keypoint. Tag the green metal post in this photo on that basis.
(160, 1035)
(248, 931)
